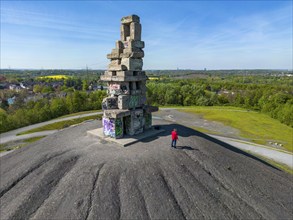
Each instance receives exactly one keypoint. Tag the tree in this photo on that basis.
(4, 125)
(47, 89)
(37, 88)
(85, 85)
(58, 107)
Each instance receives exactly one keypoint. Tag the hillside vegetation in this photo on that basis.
(258, 127)
(45, 109)
(267, 94)
(58, 93)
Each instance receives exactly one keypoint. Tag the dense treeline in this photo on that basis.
(272, 95)
(20, 75)
(45, 109)
(276, 101)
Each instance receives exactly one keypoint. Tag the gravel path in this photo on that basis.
(276, 155)
(71, 175)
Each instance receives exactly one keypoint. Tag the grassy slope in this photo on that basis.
(6, 147)
(61, 124)
(258, 127)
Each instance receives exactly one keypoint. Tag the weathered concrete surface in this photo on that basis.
(70, 175)
(126, 140)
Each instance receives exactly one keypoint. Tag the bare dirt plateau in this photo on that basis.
(70, 175)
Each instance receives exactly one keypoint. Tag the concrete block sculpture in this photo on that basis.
(125, 109)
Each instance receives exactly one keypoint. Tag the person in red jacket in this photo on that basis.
(174, 138)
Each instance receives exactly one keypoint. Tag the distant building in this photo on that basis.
(14, 87)
(11, 100)
(2, 78)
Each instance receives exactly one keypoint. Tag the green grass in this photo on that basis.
(203, 130)
(278, 165)
(3, 147)
(255, 126)
(33, 139)
(61, 124)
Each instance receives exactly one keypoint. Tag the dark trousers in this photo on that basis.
(173, 143)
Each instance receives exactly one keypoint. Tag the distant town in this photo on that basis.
(32, 85)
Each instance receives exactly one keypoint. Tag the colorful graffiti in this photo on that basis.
(118, 127)
(109, 127)
(114, 86)
(118, 88)
(113, 127)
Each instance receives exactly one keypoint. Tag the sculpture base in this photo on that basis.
(126, 140)
(118, 123)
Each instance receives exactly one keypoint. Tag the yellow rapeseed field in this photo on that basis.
(54, 77)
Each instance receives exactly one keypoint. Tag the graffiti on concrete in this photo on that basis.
(143, 100)
(126, 84)
(137, 121)
(118, 127)
(110, 103)
(114, 88)
(123, 101)
(127, 121)
(124, 89)
(109, 127)
(133, 101)
(148, 120)
(104, 104)
(118, 88)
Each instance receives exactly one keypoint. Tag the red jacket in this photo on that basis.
(174, 135)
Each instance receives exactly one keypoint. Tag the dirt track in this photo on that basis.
(71, 175)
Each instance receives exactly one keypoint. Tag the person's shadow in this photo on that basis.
(185, 148)
(187, 132)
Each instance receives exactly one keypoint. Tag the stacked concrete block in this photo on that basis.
(126, 102)
(134, 123)
(110, 103)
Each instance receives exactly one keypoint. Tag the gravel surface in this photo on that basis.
(196, 120)
(282, 157)
(69, 175)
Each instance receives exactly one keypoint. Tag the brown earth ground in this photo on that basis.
(70, 175)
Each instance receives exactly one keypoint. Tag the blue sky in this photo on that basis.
(177, 34)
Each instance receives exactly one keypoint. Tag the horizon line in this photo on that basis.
(149, 69)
